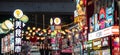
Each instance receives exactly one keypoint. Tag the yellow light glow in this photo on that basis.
(44, 30)
(27, 38)
(30, 31)
(69, 36)
(33, 33)
(28, 28)
(77, 35)
(39, 29)
(29, 34)
(38, 38)
(34, 28)
(42, 38)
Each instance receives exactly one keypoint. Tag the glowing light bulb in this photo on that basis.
(28, 28)
(33, 28)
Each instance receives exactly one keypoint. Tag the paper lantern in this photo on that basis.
(3, 31)
(7, 25)
(3, 26)
(24, 18)
(18, 13)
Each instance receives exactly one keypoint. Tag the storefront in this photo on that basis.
(105, 40)
(97, 46)
(89, 48)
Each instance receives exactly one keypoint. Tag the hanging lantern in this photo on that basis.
(57, 21)
(34, 28)
(9, 24)
(38, 29)
(24, 19)
(18, 13)
(28, 28)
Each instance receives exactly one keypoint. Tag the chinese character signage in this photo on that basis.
(18, 31)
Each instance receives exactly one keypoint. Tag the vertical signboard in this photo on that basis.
(17, 34)
(17, 30)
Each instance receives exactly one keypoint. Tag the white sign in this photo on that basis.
(18, 13)
(103, 33)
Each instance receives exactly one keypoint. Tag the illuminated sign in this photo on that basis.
(18, 36)
(102, 18)
(97, 43)
(18, 13)
(57, 21)
(109, 16)
(104, 32)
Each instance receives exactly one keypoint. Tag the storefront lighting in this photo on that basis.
(69, 36)
(29, 34)
(42, 38)
(117, 39)
(33, 33)
(44, 30)
(38, 38)
(36, 31)
(26, 32)
(99, 46)
(77, 35)
(30, 31)
(39, 29)
(34, 28)
(63, 32)
(28, 28)
(27, 38)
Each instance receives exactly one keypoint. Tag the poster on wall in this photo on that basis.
(110, 16)
(96, 28)
(92, 24)
(102, 18)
